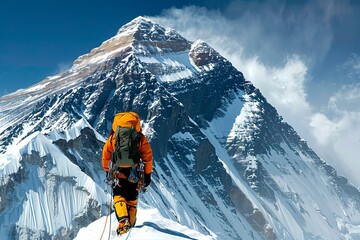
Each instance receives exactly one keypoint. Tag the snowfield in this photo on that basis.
(150, 225)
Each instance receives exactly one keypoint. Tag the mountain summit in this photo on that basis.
(225, 163)
(140, 36)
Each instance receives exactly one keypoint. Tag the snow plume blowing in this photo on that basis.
(276, 45)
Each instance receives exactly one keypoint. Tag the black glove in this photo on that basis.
(147, 179)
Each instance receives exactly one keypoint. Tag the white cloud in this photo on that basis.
(339, 141)
(254, 42)
(323, 128)
(341, 133)
(283, 86)
(275, 45)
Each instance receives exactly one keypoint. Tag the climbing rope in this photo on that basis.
(110, 218)
(107, 216)
(140, 188)
(129, 232)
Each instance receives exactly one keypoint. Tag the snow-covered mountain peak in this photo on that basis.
(136, 24)
(143, 29)
(140, 36)
(202, 54)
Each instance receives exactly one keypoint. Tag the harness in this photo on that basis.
(136, 175)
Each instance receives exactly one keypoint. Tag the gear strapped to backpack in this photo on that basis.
(126, 127)
(127, 154)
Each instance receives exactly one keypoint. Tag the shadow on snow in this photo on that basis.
(164, 230)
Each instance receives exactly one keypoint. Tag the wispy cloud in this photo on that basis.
(276, 44)
(351, 67)
(62, 67)
(4, 92)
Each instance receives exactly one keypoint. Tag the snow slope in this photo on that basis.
(150, 225)
(45, 181)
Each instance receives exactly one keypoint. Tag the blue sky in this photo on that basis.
(304, 56)
(40, 38)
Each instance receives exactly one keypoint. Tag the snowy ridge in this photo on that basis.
(150, 225)
(49, 183)
(301, 188)
(73, 132)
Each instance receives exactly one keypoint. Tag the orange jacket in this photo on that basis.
(144, 149)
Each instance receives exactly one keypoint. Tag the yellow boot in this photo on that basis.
(131, 205)
(121, 215)
(123, 227)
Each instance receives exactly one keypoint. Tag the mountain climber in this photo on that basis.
(125, 150)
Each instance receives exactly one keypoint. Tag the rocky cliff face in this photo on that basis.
(225, 163)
